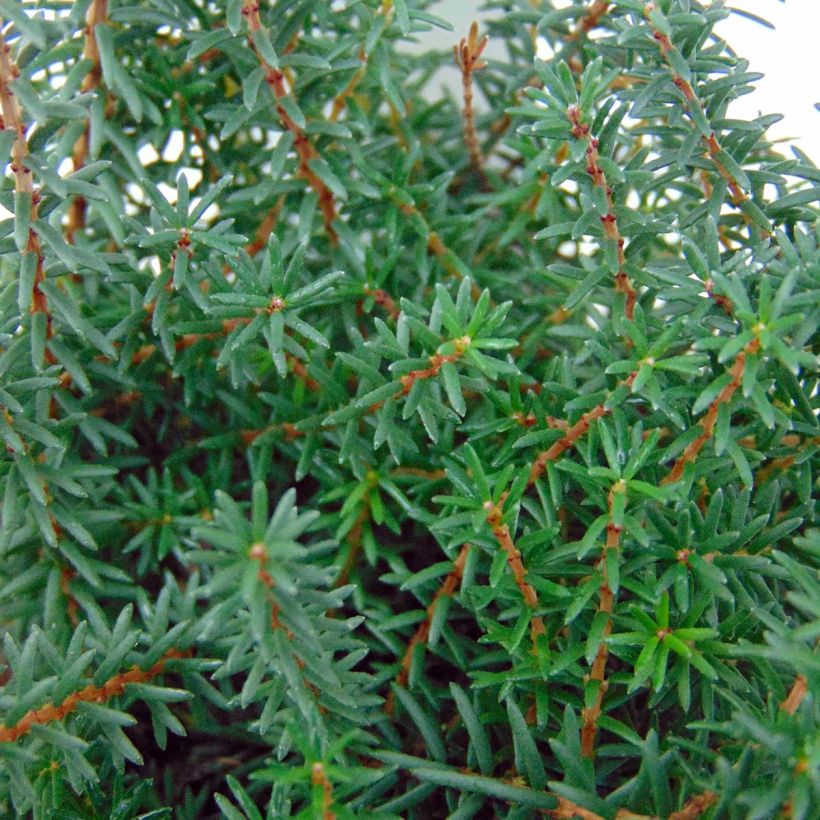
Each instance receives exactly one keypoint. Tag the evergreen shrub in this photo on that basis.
(373, 450)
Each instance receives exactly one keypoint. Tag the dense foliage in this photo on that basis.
(377, 451)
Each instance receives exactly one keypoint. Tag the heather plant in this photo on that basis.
(378, 451)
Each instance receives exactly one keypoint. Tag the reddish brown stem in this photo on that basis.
(354, 540)
(695, 806)
(799, 690)
(606, 599)
(66, 574)
(467, 54)
(265, 228)
(436, 361)
(609, 221)
(97, 13)
(288, 429)
(422, 632)
(386, 10)
(23, 182)
(383, 299)
(502, 534)
(418, 472)
(90, 694)
(435, 246)
(691, 100)
(567, 810)
(585, 24)
(591, 19)
(707, 423)
(318, 777)
(573, 433)
(305, 149)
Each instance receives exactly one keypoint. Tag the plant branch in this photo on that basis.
(609, 221)
(501, 532)
(386, 10)
(422, 633)
(27, 195)
(590, 20)
(304, 148)
(606, 599)
(318, 777)
(692, 102)
(799, 690)
(573, 433)
(97, 13)
(467, 54)
(708, 422)
(113, 687)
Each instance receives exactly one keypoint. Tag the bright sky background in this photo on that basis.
(789, 56)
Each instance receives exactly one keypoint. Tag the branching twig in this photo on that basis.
(573, 433)
(114, 686)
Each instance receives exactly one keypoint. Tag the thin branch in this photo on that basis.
(707, 423)
(288, 429)
(23, 183)
(467, 54)
(354, 540)
(435, 247)
(695, 806)
(573, 433)
(586, 23)
(318, 777)
(590, 20)
(606, 599)
(386, 10)
(383, 299)
(304, 148)
(97, 13)
(422, 633)
(691, 101)
(436, 362)
(609, 221)
(407, 380)
(72, 607)
(113, 687)
(799, 690)
(501, 532)
(265, 229)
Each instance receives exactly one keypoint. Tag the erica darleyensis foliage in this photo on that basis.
(378, 451)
